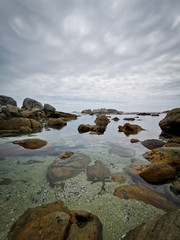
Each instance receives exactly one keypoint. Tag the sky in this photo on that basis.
(79, 54)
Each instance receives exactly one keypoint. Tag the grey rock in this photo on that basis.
(4, 100)
(152, 143)
(49, 109)
(31, 103)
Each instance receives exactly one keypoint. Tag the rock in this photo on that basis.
(101, 111)
(144, 114)
(118, 177)
(102, 120)
(134, 140)
(157, 172)
(155, 114)
(130, 128)
(174, 140)
(55, 221)
(129, 119)
(87, 111)
(49, 109)
(31, 143)
(19, 126)
(5, 181)
(166, 227)
(64, 116)
(115, 119)
(90, 128)
(5, 100)
(29, 103)
(121, 150)
(62, 169)
(144, 194)
(137, 166)
(34, 113)
(175, 187)
(152, 143)
(98, 172)
(171, 123)
(57, 123)
(11, 111)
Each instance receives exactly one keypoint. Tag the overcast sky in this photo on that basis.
(122, 54)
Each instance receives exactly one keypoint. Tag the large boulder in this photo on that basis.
(152, 143)
(4, 100)
(66, 166)
(34, 143)
(171, 123)
(98, 172)
(55, 221)
(144, 194)
(29, 103)
(102, 120)
(49, 109)
(19, 126)
(57, 123)
(130, 128)
(166, 227)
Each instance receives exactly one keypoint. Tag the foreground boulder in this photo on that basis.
(102, 120)
(166, 227)
(34, 143)
(5, 100)
(98, 172)
(55, 221)
(29, 103)
(144, 194)
(66, 166)
(130, 128)
(171, 123)
(19, 126)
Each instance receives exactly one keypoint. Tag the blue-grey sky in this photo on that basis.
(81, 54)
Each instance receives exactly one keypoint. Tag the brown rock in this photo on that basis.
(54, 221)
(174, 140)
(64, 116)
(90, 128)
(64, 168)
(31, 143)
(56, 123)
(98, 172)
(137, 166)
(166, 227)
(102, 120)
(118, 177)
(34, 113)
(134, 140)
(144, 194)
(171, 123)
(130, 128)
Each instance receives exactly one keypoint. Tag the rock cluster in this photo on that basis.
(55, 221)
(101, 111)
(130, 128)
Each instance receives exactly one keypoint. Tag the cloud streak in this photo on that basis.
(105, 51)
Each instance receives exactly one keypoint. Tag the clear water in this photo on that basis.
(29, 186)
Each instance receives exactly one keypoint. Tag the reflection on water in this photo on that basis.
(25, 171)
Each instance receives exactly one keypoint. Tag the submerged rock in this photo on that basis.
(171, 123)
(121, 150)
(152, 143)
(130, 128)
(166, 227)
(31, 143)
(67, 167)
(118, 177)
(144, 194)
(55, 221)
(98, 172)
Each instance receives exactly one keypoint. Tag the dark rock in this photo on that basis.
(5, 100)
(144, 114)
(166, 227)
(57, 123)
(152, 143)
(144, 194)
(102, 120)
(5, 181)
(115, 119)
(101, 111)
(98, 172)
(171, 123)
(175, 187)
(66, 167)
(49, 109)
(31, 143)
(64, 116)
(129, 119)
(29, 103)
(55, 221)
(130, 128)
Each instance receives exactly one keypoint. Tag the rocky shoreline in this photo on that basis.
(159, 166)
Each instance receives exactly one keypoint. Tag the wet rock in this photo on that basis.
(129, 119)
(102, 120)
(64, 168)
(152, 143)
(29, 103)
(115, 119)
(134, 140)
(121, 150)
(144, 194)
(175, 187)
(137, 166)
(173, 142)
(171, 123)
(130, 128)
(4, 100)
(34, 113)
(166, 227)
(55, 221)
(31, 143)
(19, 126)
(98, 172)
(64, 116)
(90, 128)
(57, 123)
(118, 177)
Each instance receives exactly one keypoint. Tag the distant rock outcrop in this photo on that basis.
(101, 111)
(171, 123)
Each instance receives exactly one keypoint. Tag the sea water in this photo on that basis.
(28, 186)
